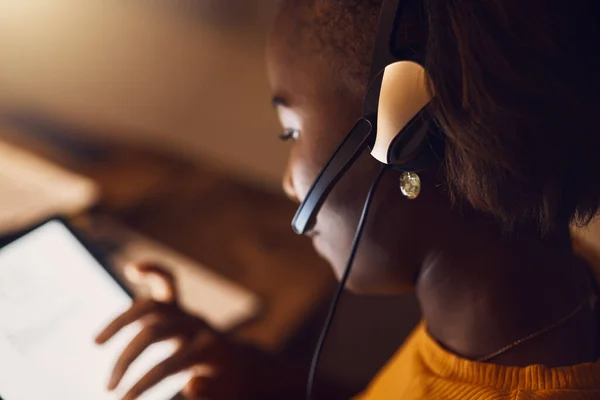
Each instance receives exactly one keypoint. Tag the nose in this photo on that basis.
(288, 186)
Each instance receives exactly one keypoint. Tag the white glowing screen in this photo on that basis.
(54, 299)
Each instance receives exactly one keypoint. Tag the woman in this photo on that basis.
(508, 307)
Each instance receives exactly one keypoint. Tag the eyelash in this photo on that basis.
(289, 134)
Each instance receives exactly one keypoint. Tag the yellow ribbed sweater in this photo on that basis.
(422, 369)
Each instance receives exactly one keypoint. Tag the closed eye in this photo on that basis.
(290, 134)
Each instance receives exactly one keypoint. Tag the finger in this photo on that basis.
(211, 388)
(144, 339)
(137, 311)
(198, 388)
(161, 282)
(183, 359)
(178, 362)
(193, 389)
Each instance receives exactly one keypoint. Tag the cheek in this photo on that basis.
(384, 263)
(387, 259)
(310, 153)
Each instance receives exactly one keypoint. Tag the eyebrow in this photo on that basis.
(278, 101)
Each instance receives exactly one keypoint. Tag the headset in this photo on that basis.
(397, 127)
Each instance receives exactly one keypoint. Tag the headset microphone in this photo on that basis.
(396, 126)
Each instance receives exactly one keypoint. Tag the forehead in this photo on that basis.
(292, 29)
(296, 62)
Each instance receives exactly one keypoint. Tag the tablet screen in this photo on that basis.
(54, 299)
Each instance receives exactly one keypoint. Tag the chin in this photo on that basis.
(337, 263)
(358, 286)
(367, 278)
(374, 271)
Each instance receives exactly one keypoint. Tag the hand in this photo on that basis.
(222, 369)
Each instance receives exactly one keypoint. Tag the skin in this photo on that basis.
(479, 289)
(222, 369)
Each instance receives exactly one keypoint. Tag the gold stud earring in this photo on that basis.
(410, 185)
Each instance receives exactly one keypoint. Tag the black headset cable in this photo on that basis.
(334, 303)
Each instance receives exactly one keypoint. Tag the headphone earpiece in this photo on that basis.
(402, 123)
(396, 123)
(397, 126)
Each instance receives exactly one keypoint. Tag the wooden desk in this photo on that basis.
(240, 231)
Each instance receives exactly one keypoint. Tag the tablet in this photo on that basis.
(55, 297)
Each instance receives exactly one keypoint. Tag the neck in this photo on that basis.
(485, 291)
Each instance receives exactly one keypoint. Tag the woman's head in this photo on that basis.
(510, 93)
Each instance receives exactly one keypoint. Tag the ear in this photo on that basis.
(403, 94)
